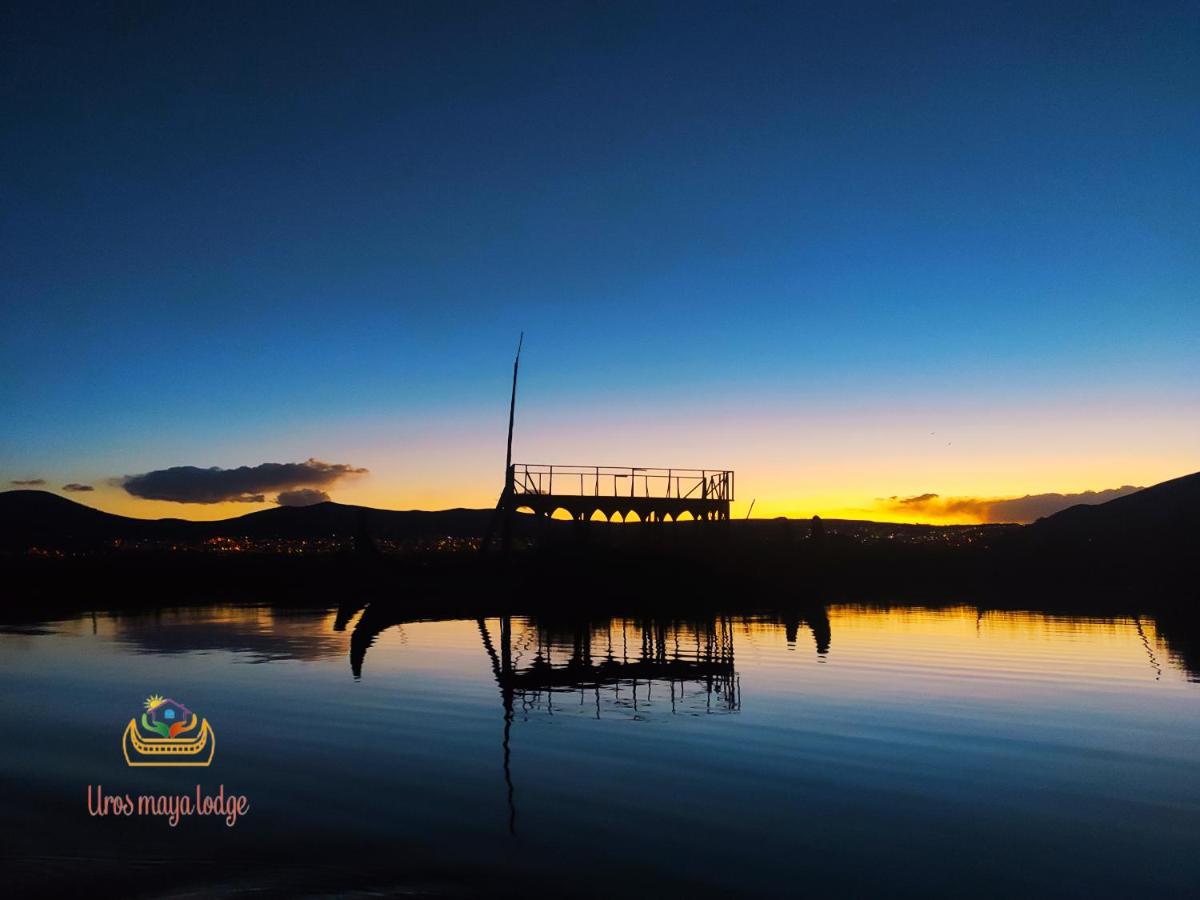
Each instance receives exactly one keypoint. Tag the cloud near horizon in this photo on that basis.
(1000, 509)
(245, 484)
(76, 486)
(28, 482)
(302, 497)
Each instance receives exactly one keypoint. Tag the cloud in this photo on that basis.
(76, 486)
(301, 497)
(1000, 509)
(28, 482)
(245, 484)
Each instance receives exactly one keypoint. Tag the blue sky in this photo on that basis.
(247, 233)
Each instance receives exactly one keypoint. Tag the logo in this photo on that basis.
(169, 735)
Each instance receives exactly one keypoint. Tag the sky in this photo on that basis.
(886, 260)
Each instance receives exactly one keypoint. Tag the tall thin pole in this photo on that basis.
(506, 500)
(512, 410)
(504, 506)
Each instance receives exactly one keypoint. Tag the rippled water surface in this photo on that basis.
(900, 751)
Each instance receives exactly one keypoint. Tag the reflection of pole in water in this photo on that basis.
(501, 668)
(1137, 621)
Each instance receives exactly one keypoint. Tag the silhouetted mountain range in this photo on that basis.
(1162, 519)
(1164, 512)
(41, 519)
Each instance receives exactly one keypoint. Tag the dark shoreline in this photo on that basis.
(1137, 553)
(693, 576)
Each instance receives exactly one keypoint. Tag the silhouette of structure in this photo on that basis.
(617, 493)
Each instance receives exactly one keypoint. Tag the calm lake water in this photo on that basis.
(901, 751)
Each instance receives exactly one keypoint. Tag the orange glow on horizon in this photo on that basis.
(793, 456)
(851, 504)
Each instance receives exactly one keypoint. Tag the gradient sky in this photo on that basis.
(851, 251)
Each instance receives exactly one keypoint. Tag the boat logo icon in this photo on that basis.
(168, 734)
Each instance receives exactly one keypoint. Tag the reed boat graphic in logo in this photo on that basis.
(169, 734)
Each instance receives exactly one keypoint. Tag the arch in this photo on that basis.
(597, 516)
(632, 516)
(525, 510)
(562, 514)
(684, 515)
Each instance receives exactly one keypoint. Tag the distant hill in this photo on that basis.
(1149, 537)
(1167, 512)
(329, 518)
(40, 518)
(1158, 523)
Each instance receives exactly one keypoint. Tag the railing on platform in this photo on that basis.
(621, 481)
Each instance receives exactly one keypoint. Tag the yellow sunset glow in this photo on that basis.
(794, 497)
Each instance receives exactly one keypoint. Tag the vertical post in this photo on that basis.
(506, 645)
(509, 474)
(512, 410)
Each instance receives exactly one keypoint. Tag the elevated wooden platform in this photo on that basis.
(620, 493)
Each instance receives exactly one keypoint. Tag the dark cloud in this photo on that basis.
(245, 484)
(917, 500)
(301, 497)
(75, 486)
(28, 482)
(1001, 509)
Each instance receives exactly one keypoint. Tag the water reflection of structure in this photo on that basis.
(619, 659)
(623, 658)
(817, 620)
(633, 666)
(593, 660)
(618, 663)
(621, 654)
